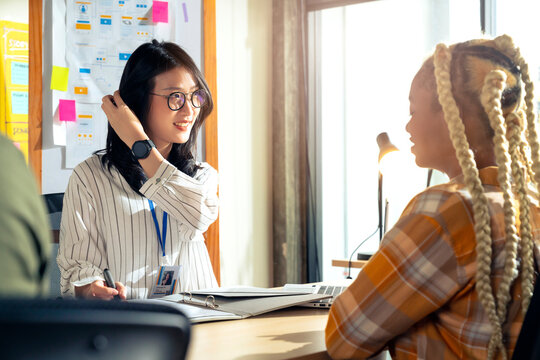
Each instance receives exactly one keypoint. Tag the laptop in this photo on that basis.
(325, 289)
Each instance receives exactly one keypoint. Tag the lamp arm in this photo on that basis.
(429, 175)
(380, 206)
(385, 224)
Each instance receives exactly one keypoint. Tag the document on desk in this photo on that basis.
(234, 303)
(247, 291)
(196, 314)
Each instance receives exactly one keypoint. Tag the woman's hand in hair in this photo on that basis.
(124, 122)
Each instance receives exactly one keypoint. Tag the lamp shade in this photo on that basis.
(385, 146)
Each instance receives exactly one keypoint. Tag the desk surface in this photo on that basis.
(358, 264)
(292, 333)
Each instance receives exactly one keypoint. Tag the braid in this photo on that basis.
(442, 60)
(490, 98)
(532, 135)
(523, 154)
(515, 129)
(524, 149)
(506, 44)
(526, 159)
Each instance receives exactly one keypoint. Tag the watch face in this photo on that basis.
(141, 149)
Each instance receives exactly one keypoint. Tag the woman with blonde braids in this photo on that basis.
(454, 277)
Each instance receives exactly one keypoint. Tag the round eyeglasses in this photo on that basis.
(177, 99)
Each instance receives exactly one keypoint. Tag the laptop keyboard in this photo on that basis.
(330, 290)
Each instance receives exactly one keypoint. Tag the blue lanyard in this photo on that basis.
(160, 237)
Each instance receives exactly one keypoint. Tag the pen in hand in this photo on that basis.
(110, 281)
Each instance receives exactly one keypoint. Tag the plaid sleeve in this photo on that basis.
(414, 273)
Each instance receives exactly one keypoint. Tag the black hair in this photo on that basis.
(511, 95)
(146, 62)
(466, 94)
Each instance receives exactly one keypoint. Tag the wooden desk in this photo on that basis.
(292, 333)
(357, 264)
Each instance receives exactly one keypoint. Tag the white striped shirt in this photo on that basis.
(105, 224)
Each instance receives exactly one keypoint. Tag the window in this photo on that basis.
(519, 19)
(362, 59)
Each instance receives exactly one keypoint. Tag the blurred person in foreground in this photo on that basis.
(25, 235)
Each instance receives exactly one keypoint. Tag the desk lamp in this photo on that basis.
(385, 148)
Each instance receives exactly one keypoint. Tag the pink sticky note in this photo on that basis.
(66, 110)
(160, 11)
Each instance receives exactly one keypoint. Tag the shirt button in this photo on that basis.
(158, 180)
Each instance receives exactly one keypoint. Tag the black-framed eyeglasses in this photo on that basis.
(177, 99)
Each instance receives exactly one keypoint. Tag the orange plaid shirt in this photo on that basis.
(417, 294)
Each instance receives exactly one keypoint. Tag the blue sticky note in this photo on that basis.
(19, 73)
(19, 102)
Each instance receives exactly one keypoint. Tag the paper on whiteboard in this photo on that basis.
(86, 135)
(100, 37)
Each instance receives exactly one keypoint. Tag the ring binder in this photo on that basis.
(209, 301)
(213, 305)
(234, 303)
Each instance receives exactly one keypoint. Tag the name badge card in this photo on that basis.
(166, 282)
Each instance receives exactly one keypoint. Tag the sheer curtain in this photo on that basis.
(290, 158)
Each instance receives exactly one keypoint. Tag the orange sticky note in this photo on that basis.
(59, 78)
(83, 26)
(66, 110)
(81, 90)
(160, 11)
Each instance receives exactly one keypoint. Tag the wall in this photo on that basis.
(14, 10)
(244, 53)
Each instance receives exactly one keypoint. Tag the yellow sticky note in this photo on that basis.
(59, 78)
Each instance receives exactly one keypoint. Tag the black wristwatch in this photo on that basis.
(141, 149)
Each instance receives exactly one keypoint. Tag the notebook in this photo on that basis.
(320, 289)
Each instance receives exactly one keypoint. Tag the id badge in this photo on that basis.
(167, 281)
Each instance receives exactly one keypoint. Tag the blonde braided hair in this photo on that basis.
(515, 129)
(524, 158)
(490, 98)
(506, 44)
(441, 60)
(512, 159)
(532, 135)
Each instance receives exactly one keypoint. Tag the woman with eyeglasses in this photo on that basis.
(144, 202)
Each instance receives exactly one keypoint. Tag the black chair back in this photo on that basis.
(91, 329)
(528, 343)
(54, 203)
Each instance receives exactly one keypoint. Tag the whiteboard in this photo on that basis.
(60, 147)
